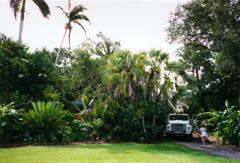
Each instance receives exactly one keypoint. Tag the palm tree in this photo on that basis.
(140, 79)
(19, 6)
(73, 16)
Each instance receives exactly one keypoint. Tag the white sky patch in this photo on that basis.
(138, 24)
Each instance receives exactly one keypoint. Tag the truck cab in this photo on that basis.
(178, 124)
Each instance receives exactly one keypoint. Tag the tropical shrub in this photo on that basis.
(13, 57)
(104, 119)
(125, 126)
(78, 132)
(116, 120)
(225, 123)
(75, 129)
(11, 128)
(45, 121)
(93, 129)
(155, 128)
(26, 75)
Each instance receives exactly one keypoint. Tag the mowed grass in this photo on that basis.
(108, 153)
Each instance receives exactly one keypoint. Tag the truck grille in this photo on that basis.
(178, 127)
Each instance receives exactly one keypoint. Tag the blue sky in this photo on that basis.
(138, 24)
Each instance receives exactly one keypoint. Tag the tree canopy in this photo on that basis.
(210, 24)
(209, 31)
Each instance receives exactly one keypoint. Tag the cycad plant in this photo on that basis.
(74, 16)
(44, 120)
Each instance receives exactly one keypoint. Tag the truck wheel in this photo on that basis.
(189, 137)
(168, 136)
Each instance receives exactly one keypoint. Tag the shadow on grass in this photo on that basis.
(163, 148)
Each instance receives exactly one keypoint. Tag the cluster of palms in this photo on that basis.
(130, 92)
(74, 15)
(138, 78)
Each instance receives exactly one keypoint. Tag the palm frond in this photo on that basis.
(15, 5)
(43, 6)
(80, 26)
(76, 10)
(80, 17)
(64, 12)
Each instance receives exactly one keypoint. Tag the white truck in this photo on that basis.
(179, 124)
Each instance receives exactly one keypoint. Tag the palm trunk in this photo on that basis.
(134, 113)
(60, 46)
(144, 128)
(155, 116)
(69, 38)
(69, 5)
(154, 124)
(21, 22)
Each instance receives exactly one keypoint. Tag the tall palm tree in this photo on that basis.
(73, 16)
(19, 6)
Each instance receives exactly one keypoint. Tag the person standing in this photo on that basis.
(203, 134)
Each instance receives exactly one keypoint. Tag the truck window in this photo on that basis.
(178, 117)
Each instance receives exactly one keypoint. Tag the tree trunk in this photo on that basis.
(21, 22)
(134, 113)
(69, 38)
(202, 102)
(60, 46)
(154, 115)
(154, 124)
(69, 5)
(144, 128)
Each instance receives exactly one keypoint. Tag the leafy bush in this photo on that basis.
(11, 128)
(75, 131)
(107, 113)
(45, 120)
(110, 119)
(78, 133)
(225, 123)
(25, 74)
(92, 130)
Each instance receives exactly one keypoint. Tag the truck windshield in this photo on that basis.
(178, 117)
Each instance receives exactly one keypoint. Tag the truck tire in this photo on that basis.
(189, 137)
(168, 136)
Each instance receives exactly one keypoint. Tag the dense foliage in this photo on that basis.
(24, 76)
(209, 60)
(120, 95)
(225, 124)
(11, 119)
(97, 92)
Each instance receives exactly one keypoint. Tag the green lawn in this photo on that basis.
(111, 153)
